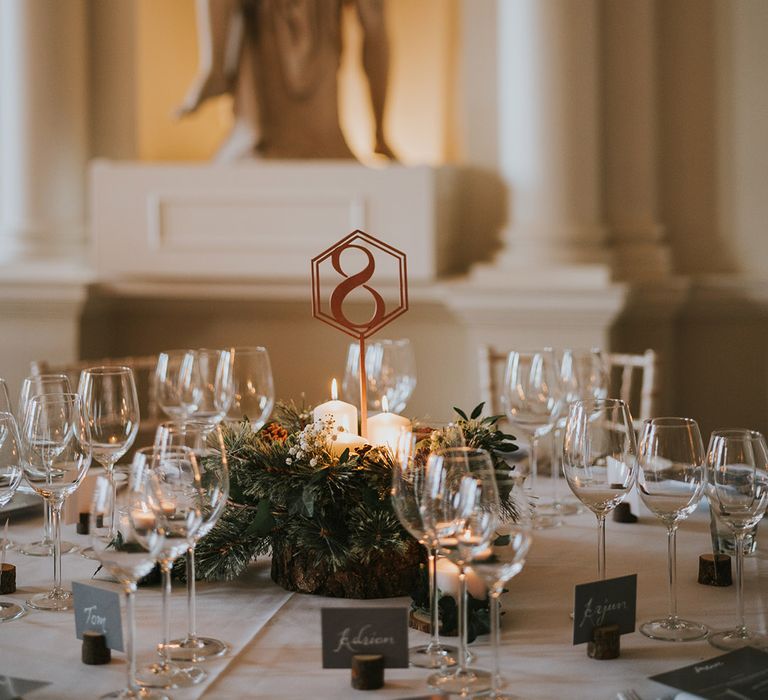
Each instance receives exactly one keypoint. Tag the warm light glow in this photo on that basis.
(384, 404)
(334, 390)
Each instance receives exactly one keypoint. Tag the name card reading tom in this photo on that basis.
(98, 608)
(350, 631)
(609, 602)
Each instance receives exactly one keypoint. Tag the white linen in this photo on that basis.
(276, 636)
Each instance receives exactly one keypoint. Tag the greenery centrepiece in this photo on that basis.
(324, 513)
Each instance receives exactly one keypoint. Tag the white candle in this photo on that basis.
(344, 414)
(385, 428)
(448, 580)
(168, 507)
(143, 519)
(345, 441)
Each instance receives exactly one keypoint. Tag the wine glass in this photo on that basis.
(57, 438)
(254, 389)
(207, 389)
(5, 398)
(177, 498)
(532, 398)
(167, 387)
(737, 476)
(139, 537)
(504, 559)
(671, 481)
(460, 505)
(407, 492)
(600, 459)
(36, 385)
(111, 406)
(390, 370)
(207, 442)
(11, 470)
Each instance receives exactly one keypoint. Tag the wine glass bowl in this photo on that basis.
(390, 369)
(206, 384)
(168, 382)
(671, 480)
(737, 484)
(253, 386)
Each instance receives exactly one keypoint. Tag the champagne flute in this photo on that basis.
(111, 407)
(207, 442)
(671, 481)
(130, 556)
(58, 441)
(390, 370)
(532, 398)
(207, 389)
(460, 505)
(254, 389)
(503, 560)
(600, 459)
(36, 385)
(407, 492)
(176, 489)
(11, 471)
(168, 376)
(737, 475)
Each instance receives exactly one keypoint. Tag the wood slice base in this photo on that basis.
(386, 576)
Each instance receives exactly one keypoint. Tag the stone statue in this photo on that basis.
(279, 60)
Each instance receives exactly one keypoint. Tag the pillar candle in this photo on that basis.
(344, 414)
(386, 428)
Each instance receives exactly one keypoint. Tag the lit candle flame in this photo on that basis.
(334, 390)
(385, 404)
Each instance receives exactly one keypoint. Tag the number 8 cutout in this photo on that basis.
(329, 268)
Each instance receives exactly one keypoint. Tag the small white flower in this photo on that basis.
(299, 454)
(288, 460)
(313, 462)
(292, 451)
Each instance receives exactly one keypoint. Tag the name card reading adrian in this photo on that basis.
(609, 602)
(98, 609)
(350, 631)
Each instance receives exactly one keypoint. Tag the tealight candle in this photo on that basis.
(448, 580)
(168, 507)
(344, 414)
(143, 519)
(385, 428)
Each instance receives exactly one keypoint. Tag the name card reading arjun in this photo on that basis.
(350, 631)
(609, 602)
(98, 608)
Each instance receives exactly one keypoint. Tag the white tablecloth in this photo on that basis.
(275, 635)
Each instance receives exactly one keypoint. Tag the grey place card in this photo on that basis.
(609, 602)
(350, 631)
(98, 608)
(739, 674)
(14, 688)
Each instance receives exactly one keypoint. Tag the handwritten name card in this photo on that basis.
(609, 602)
(98, 608)
(350, 631)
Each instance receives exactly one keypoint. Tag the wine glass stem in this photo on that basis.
(555, 467)
(130, 637)
(434, 612)
(601, 546)
(191, 607)
(534, 460)
(739, 543)
(165, 566)
(496, 639)
(47, 538)
(462, 611)
(56, 531)
(672, 564)
(109, 468)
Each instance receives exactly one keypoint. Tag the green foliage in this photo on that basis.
(288, 486)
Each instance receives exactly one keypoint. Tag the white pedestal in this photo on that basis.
(264, 221)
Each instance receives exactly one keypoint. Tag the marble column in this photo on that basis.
(43, 128)
(549, 132)
(630, 140)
